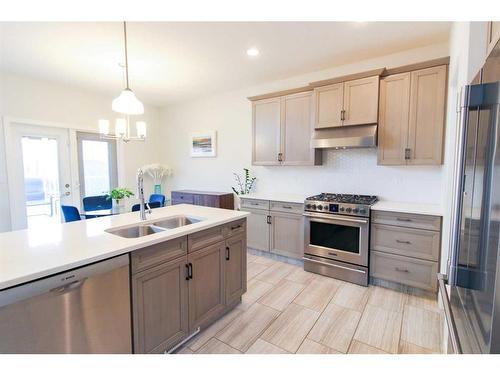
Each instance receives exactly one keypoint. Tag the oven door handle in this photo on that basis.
(330, 217)
(332, 265)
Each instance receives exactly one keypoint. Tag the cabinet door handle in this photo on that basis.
(268, 219)
(187, 271)
(342, 115)
(406, 242)
(401, 269)
(280, 157)
(235, 227)
(403, 219)
(227, 252)
(190, 270)
(407, 154)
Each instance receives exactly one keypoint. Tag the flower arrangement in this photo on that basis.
(246, 186)
(117, 194)
(157, 172)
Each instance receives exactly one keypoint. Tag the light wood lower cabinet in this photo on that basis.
(404, 248)
(258, 229)
(235, 268)
(206, 285)
(279, 230)
(160, 306)
(287, 234)
(173, 297)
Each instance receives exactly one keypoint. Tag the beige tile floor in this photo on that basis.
(287, 310)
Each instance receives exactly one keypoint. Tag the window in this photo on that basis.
(97, 164)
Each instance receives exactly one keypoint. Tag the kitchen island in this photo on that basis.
(182, 278)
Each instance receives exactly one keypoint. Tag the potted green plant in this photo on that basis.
(245, 184)
(118, 194)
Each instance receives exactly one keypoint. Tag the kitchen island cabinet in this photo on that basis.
(174, 298)
(159, 285)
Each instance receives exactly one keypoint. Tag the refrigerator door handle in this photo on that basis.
(452, 329)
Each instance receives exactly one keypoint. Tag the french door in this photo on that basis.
(38, 166)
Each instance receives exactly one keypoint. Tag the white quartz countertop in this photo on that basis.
(411, 208)
(279, 197)
(27, 255)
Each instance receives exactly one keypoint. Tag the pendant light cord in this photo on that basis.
(126, 57)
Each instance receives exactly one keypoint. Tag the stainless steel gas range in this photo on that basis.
(337, 228)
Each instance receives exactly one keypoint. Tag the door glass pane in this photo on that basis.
(334, 236)
(41, 180)
(96, 168)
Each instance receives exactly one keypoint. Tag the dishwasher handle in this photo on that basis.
(60, 282)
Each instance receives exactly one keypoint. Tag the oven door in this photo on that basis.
(337, 237)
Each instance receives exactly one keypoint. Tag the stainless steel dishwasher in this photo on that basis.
(85, 310)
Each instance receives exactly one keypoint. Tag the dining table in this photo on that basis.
(106, 212)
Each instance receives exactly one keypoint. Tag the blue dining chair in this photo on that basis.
(137, 207)
(70, 213)
(157, 198)
(97, 202)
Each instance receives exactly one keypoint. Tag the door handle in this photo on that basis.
(268, 219)
(227, 253)
(72, 285)
(189, 268)
(342, 115)
(405, 242)
(187, 271)
(401, 270)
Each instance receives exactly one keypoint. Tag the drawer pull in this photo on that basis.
(288, 207)
(254, 203)
(401, 269)
(405, 242)
(235, 227)
(403, 219)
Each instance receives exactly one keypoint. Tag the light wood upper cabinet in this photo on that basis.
(282, 131)
(493, 36)
(297, 130)
(361, 101)
(329, 105)
(266, 131)
(347, 103)
(393, 119)
(411, 120)
(426, 124)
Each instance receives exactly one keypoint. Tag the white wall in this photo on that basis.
(42, 101)
(347, 171)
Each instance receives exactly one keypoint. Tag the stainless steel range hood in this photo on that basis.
(355, 136)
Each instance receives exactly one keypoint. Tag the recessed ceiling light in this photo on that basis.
(252, 52)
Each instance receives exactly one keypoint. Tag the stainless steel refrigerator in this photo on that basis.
(473, 309)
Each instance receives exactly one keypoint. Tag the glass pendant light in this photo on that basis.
(127, 103)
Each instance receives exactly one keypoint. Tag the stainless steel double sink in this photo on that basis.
(141, 230)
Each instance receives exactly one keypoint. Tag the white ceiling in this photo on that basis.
(172, 61)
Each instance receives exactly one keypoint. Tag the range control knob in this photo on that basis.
(308, 206)
(320, 207)
(355, 210)
(348, 209)
(341, 209)
(313, 206)
(362, 211)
